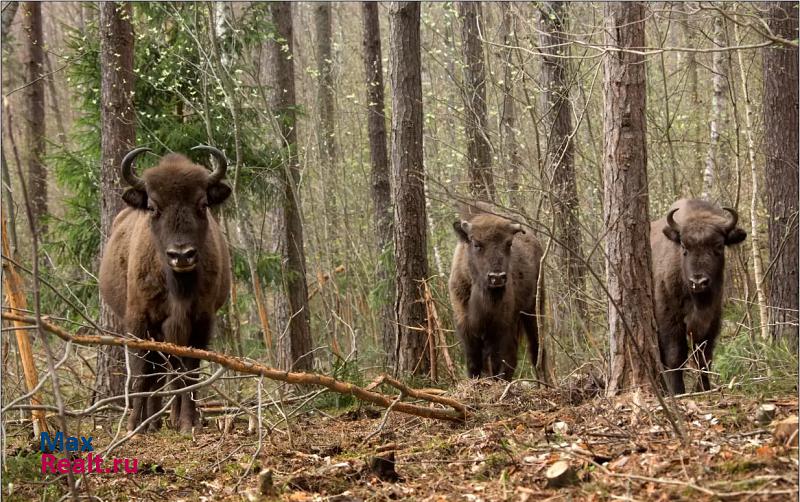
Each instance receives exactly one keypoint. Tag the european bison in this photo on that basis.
(493, 291)
(166, 271)
(688, 264)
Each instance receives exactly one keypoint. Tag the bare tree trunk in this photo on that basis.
(381, 189)
(327, 143)
(755, 240)
(479, 154)
(34, 120)
(559, 162)
(118, 135)
(508, 120)
(719, 81)
(634, 349)
(410, 236)
(294, 344)
(781, 147)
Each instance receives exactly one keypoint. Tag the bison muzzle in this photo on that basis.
(688, 271)
(166, 271)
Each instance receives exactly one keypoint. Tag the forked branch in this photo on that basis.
(457, 413)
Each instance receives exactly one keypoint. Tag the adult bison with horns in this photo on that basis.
(688, 270)
(493, 289)
(166, 271)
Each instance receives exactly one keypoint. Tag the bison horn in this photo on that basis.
(734, 219)
(516, 227)
(671, 220)
(218, 173)
(466, 226)
(127, 168)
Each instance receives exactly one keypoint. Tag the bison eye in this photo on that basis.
(478, 246)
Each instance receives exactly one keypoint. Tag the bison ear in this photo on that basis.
(672, 234)
(461, 232)
(735, 236)
(217, 193)
(137, 199)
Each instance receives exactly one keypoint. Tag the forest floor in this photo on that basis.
(618, 449)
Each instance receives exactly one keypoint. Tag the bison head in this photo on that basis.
(703, 240)
(177, 194)
(489, 240)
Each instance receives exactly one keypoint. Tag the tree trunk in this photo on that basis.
(410, 236)
(781, 147)
(479, 154)
(508, 128)
(295, 345)
(118, 135)
(634, 349)
(34, 123)
(381, 189)
(754, 237)
(719, 81)
(327, 143)
(559, 160)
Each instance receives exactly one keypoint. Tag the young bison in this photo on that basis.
(166, 271)
(493, 291)
(688, 270)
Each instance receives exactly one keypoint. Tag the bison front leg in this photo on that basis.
(158, 383)
(704, 365)
(503, 357)
(140, 384)
(530, 326)
(188, 417)
(473, 349)
(674, 351)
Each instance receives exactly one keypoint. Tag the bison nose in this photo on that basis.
(182, 259)
(699, 282)
(497, 279)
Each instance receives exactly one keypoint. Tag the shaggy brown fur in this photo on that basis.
(688, 272)
(144, 289)
(492, 310)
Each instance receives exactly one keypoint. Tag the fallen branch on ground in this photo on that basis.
(456, 414)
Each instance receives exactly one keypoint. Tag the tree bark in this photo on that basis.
(479, 154)
(508, 120)
(295, 346)
(118, 135)
(559, 160)
(381, 189)
(325, 97)
(34, 121)
(781, 147)
(410, 236)
(634, 349)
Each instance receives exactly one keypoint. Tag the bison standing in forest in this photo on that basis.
(166, 271)
(493, 289)
(688, 271)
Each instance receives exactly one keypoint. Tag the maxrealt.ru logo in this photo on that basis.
(78, 445)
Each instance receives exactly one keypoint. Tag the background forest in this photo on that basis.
(311, 104)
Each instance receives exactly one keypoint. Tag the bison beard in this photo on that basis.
(493, 287)
(166, 271)
(688, 272)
